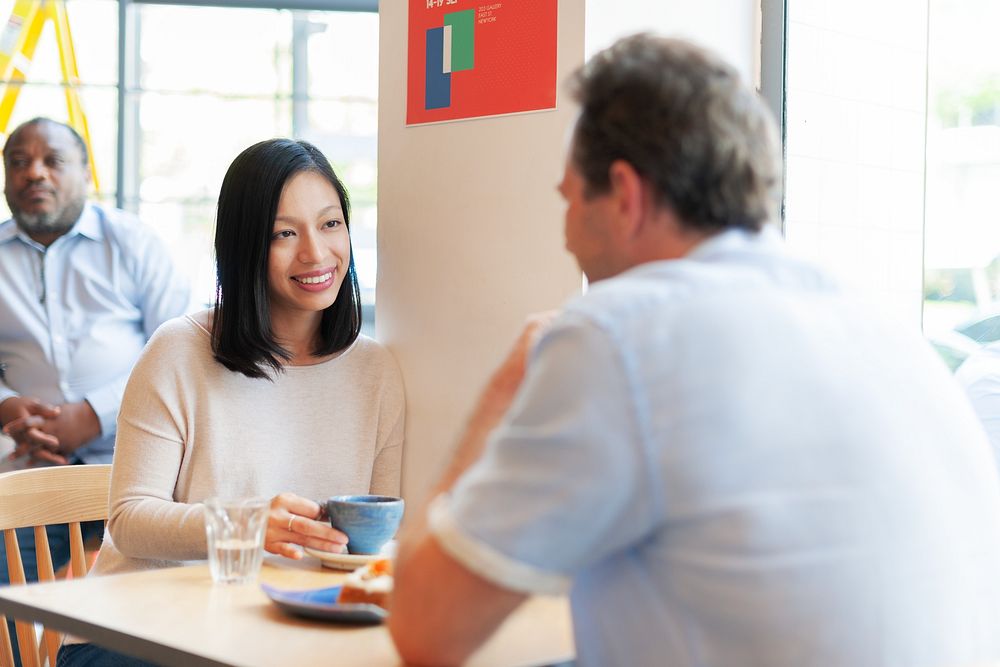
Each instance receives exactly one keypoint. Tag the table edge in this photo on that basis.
(139, 647)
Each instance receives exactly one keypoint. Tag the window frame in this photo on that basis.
(127, 145)
(773, 65)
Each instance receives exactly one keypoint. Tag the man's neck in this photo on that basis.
(669, 243)
(48, 238)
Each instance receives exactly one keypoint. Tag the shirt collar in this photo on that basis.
(721, 246)
(734, 240)
(88, 225)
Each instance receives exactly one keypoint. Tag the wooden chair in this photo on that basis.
(38, 498)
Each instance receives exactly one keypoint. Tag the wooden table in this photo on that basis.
(178, 617)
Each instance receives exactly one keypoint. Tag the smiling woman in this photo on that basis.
(284, 215)
(273, 393)
(309, 255)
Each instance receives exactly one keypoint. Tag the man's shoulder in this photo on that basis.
(138, 244)
(706, 282)
(656, 288)
(8, 228)
(115, 218)
(123, 226)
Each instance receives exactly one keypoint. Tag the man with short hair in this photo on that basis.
(82, 288)
(723, 457)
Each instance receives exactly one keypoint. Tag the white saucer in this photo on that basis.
(346, 561)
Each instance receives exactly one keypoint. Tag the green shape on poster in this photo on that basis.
(462, 38)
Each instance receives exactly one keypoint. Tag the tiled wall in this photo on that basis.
(856, 102)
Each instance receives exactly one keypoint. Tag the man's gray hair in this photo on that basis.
(682, 117)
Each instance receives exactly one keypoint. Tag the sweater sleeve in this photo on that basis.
(145, 521)
(391, 429)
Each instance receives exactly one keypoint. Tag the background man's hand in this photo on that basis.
(48, 433)
(22, 419)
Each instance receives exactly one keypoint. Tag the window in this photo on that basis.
(94, 25)
(200, 84)
(892, 120)
(962, 256)
(855, 115)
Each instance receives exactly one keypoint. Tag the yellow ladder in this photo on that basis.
(17, 47)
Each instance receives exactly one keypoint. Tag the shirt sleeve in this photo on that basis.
(145, 521)
(6, 392)
(162, 294)
(565, 480)
(105, 402)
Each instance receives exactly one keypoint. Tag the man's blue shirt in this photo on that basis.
(74, 316)
(730, 462)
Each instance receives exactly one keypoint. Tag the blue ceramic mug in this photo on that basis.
(368, 521)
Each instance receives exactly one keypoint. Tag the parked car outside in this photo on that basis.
(956, 345)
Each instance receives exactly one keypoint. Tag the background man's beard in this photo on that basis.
(56, 222)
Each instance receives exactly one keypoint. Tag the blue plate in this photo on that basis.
(321, 603)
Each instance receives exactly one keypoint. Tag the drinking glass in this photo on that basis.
(235, 529)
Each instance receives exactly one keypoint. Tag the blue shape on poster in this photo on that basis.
(437, 89)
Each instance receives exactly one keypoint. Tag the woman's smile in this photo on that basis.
(316, 281)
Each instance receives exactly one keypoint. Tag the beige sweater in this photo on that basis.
(189, 429)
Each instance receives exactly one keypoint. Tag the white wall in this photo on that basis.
(470, 242)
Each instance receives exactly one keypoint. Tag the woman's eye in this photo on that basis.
(332, 224)
(283, 234)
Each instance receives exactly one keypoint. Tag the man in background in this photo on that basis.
(723, 457)
(82, 288)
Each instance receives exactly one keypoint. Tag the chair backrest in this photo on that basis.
(37, 498)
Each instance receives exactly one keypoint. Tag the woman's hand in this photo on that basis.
(293, 523)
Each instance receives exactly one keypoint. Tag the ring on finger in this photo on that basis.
(291, 520)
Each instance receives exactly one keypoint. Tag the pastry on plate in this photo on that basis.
(371, 584)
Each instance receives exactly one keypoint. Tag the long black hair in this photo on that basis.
(242, 338)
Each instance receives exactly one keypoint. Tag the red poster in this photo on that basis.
(473, 58)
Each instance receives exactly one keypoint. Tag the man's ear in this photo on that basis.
(629, 196)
